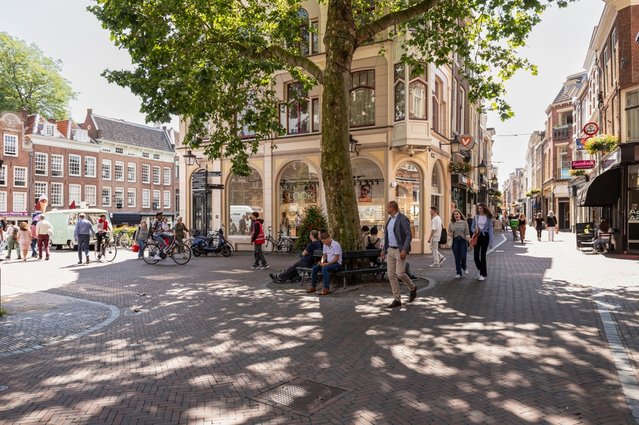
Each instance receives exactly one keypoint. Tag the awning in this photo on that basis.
(601, 191)
(132, 218)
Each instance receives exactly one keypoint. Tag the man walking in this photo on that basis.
(82, 234)
(397, 240)
(331, 262)
(435, 236)
(44, 229)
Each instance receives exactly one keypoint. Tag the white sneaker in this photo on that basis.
(157, 257)
(457, 276)
(465, 271)
(442, 260)
(434, 265)
(479, 275)
(481, 278)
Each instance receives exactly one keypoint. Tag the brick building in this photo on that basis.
(126, 168)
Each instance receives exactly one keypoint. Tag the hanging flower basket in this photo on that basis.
(601, 144)
(459, 168)
(533, 192)
(577, 173)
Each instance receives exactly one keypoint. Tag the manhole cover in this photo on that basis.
(302, 396)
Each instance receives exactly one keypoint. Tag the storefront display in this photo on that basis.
(299, 189)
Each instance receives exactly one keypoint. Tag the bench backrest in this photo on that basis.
(580, 227)
(605, 237)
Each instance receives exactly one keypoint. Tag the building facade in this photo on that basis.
(402, 120)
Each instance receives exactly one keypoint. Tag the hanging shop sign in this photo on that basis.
(466, 141)
(585, 164)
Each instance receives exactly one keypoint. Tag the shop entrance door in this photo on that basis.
(564, 215)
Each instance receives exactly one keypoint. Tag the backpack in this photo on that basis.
(444, 238)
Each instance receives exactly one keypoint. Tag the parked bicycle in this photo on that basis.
(123, 240)
(179, 252)
(108, 250)
(283, 244)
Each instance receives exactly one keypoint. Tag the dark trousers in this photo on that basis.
(538, 232)
(480, 253)
(83, 246)
(259, 255)
(291, 272)
(100, 236)
(460, 251)
(326, 273)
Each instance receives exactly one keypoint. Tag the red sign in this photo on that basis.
(466, 141)
(591, 128)
(583, 164)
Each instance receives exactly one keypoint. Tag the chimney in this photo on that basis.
(89, 111)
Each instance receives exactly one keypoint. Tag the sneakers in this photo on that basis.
(157, 257)
(272, 276)
(434, 265)
(481, 277)
(465, 271)
(254, 267)
(442, 260)
(264, 267)
(457, 276)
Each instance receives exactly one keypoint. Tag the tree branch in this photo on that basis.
(295, 60)
(368, 31)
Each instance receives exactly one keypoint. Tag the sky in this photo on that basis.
(64, 30)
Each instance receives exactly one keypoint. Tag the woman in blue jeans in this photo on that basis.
(458, 230)
(483, 227)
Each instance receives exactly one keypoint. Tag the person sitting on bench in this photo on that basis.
(331, 262)
(306, 260)
(602, 236)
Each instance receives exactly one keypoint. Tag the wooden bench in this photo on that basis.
(351, 264)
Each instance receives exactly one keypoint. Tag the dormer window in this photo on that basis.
(80, 135)
(49, 129)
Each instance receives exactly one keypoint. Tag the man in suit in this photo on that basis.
(396, 246)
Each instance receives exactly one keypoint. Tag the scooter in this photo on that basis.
(211, 245)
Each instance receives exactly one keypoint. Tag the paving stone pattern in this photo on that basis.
(525, 346)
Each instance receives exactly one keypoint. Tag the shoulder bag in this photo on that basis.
(473, 240)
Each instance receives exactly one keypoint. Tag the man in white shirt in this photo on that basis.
(331, 262)
(435, 236)
(397, 239)
(44, 230)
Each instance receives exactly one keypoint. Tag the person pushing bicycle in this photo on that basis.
(101, 235)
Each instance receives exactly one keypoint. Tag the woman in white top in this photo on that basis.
(483, 227)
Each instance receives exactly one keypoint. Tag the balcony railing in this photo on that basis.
(562, 132)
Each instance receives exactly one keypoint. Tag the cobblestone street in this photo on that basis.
(550, 337)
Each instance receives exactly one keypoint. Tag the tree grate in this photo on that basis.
(301, 396)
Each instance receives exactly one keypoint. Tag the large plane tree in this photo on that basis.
(212, 61)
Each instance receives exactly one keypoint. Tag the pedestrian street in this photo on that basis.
(549, 337)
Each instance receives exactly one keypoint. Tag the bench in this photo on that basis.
(351, 264)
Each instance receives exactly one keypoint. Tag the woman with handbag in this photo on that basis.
(551, 226)
(458, 229)
(482, 229)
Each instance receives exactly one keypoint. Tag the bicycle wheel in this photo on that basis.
(180, 253)
(110, 251)
(269, 246)
(287, 246)
(125, 241)
(150, 251)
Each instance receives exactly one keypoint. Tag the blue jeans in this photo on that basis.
(460, 251)
(326, 273)
(141, 243)
(83, 245)
(159, 238)
(33, 247)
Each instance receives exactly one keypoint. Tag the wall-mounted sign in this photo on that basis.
(579, 144)
(466, 142)
(583, 164)
(591, 128)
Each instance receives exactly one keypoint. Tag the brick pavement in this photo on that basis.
(210, 339)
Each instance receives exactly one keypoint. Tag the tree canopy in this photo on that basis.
(31, 81)
(213, 61)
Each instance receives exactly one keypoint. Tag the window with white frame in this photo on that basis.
(362, 95)
(156, 175)
(156, 199)
(75, 194)
(146, 155)
(40, 188)
(19, 201)
(130, 172)
(90, 195)
(57, 195)
(41, 162)
(119, 150)
(167, 176)
(632, 115)
(146, 173)
(89, 166)
(20, 176)
(3, 176)
(106, 196)
(49, 129)
(80, 135)
(437, 109)
(3, 201)
(119, 171)
(130, 197)
(11, 145)
(156, 156)
(57, 165)
(167, 199)
(106, 169)
(146, 198)
(74, 165)
(417, 98)
(119, 197)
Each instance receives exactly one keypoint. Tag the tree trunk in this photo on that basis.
(337, 175)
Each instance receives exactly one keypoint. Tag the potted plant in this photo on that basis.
(577, 173)
(459, 168)
(601, 144)
(533, 192)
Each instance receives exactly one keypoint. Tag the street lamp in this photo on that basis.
(482, 167)
(190, 158)
(455, 144)
(353, 145)
(494, 182)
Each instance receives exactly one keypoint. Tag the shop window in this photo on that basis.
(246, 195)
(408, 194)
(370, 189)
(298, 189)
(363, 98)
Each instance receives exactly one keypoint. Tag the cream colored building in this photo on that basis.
(402, 124)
